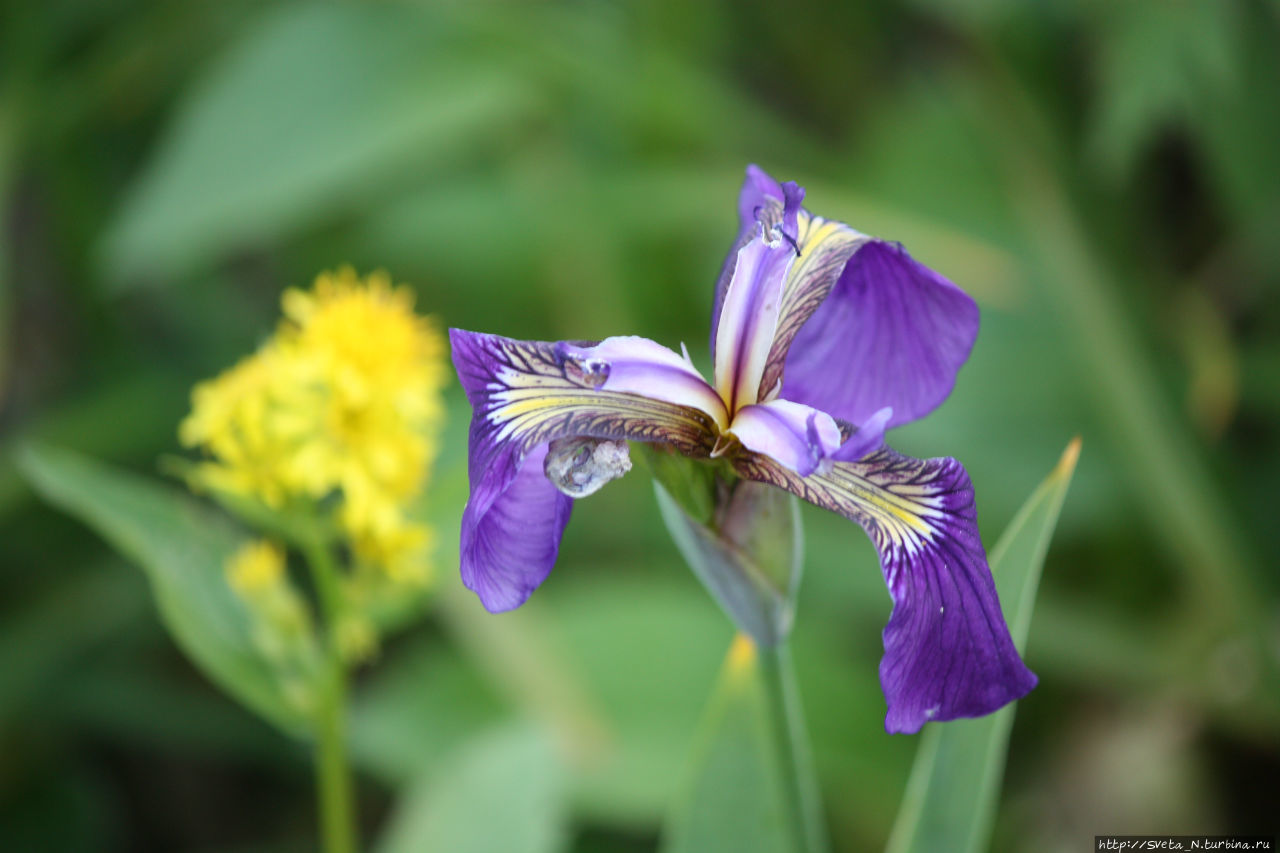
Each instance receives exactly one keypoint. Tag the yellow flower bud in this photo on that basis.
(256, 568)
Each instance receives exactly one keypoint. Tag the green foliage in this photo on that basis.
(734, 800)
(690, 485)
(1158, 63)
(80, 611)
(750, 560)
(639, 702)
(182, 546)
(1102, 177)
(503, 790)
(287, 131)
(951, 799)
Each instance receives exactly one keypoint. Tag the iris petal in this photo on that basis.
(947, 650)
(822, 246)
(509, 546)
(867, 439)
(796, 436)
(749, 317)
(763, 205)
(758, 190)
(903, 330)
(525, 394)
(825, 247)
(647, 368)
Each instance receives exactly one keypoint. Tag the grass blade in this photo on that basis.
(954, 788)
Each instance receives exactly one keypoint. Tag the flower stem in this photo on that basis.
(791, 743)
(333, 774)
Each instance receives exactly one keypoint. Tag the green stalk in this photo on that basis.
(333, 773)
(791, 744)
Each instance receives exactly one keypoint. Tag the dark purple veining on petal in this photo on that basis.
(947, 649)
(509, 546)
(525, 394)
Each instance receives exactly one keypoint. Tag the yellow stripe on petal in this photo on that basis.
(899, 500)
(527, 393)
(825, 247)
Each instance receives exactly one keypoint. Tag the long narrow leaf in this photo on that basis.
(734, 800)
(954, 787)
(181, 545)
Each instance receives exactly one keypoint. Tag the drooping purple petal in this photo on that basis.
(892, 332)
(796, 436)
(525, 394)
(749, 317)
(509, 546)
(947, 650)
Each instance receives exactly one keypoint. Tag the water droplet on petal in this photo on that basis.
(583, 370)
(579, 466)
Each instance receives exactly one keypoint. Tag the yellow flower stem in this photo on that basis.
(333, 775)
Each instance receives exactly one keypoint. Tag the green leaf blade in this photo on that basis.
(181, 546)
(751, 564)
(284, 131)
(504, 790)
(954, 788)
(734, 799)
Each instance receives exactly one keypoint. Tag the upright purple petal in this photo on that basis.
(822, 246)
(759, 189)
(892, 332)
(825, 246)
(763, 203)
(749, 317)
(947, 650)
(509, 546)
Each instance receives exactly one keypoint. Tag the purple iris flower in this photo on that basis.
(823, 338)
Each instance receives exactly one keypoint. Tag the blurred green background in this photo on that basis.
(1103, 177)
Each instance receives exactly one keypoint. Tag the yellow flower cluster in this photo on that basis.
(342, 402)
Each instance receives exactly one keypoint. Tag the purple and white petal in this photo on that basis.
(947, 649)
(749, 317)
(509, 544)
(763, 204)
(526, 394)
(825, 247)
(866, 439)
(799, 437)
(892, 332)
(647, 368)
